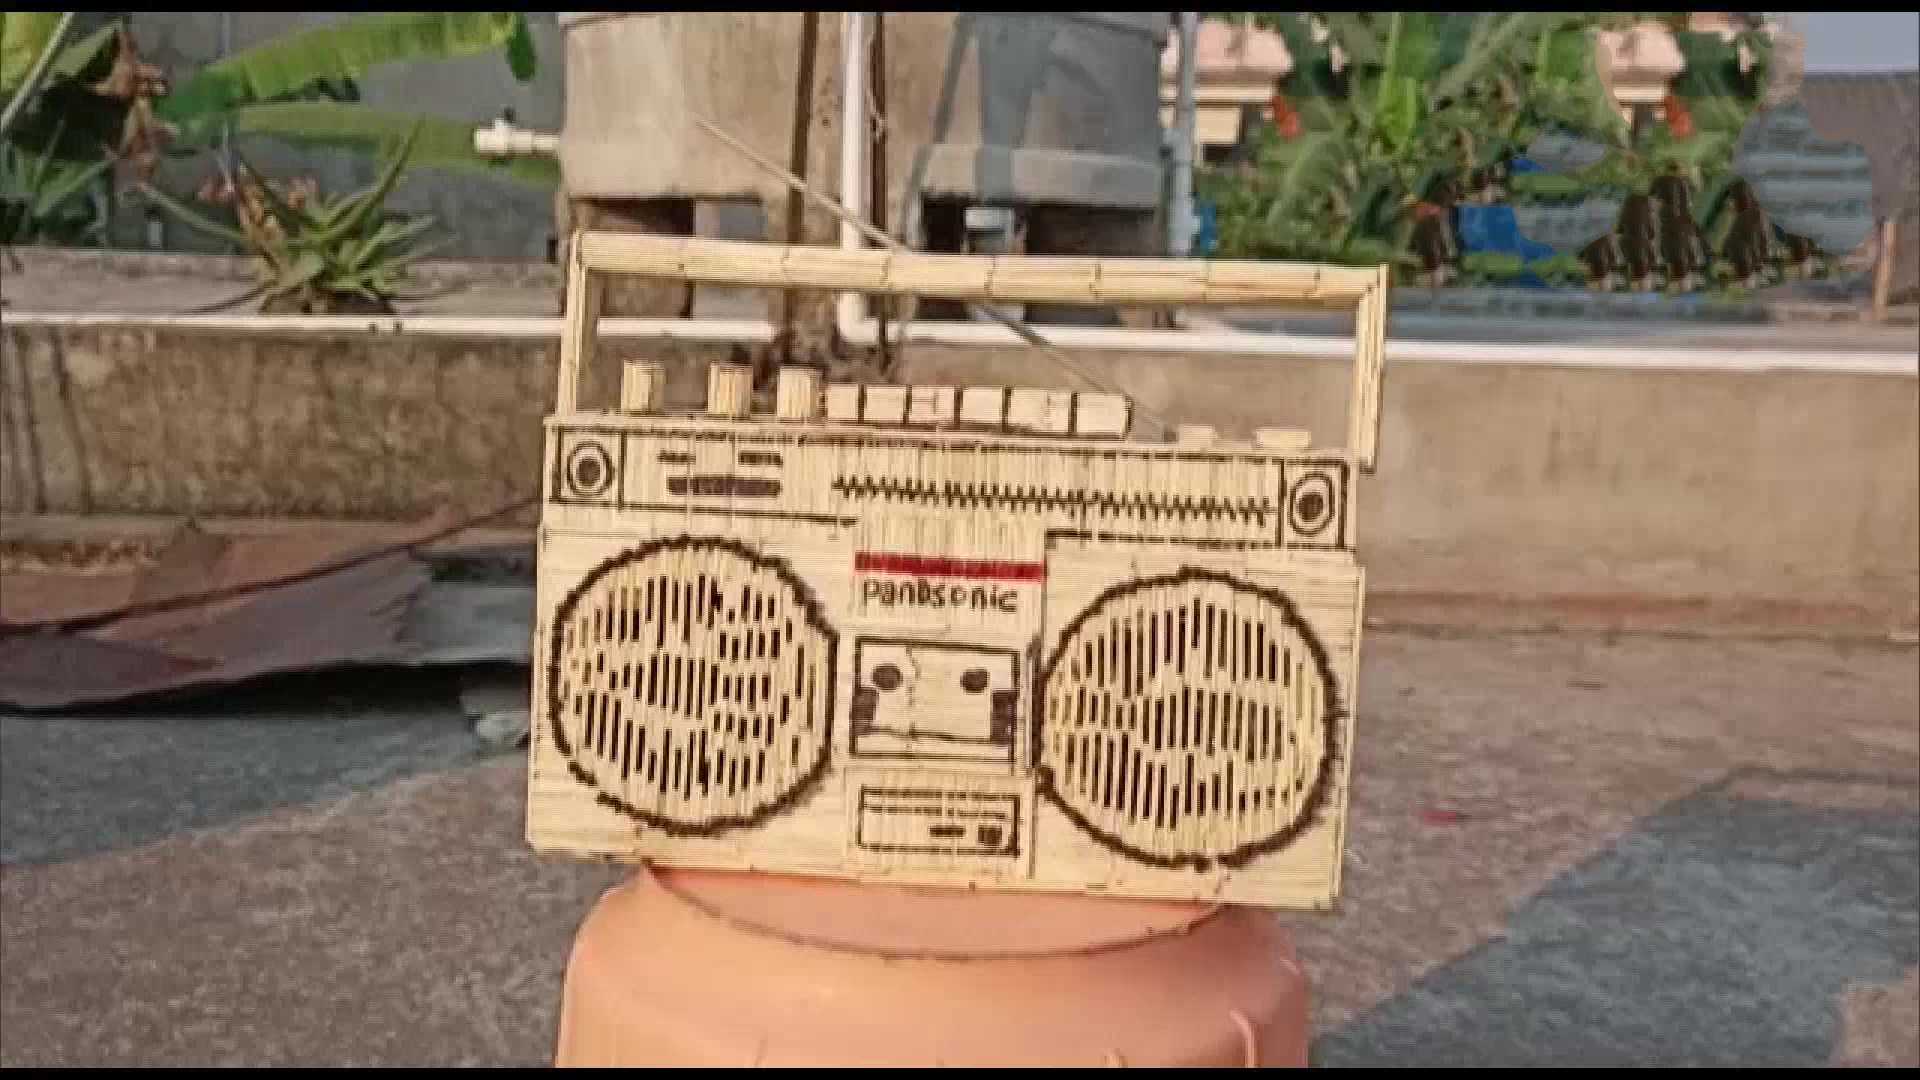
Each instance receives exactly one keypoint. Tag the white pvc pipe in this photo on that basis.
(504, 140)
(1242, 343)
(850, 310)
(512, 327)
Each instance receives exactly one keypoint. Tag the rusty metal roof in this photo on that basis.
(336, 605)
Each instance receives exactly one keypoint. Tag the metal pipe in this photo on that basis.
(504, 327)
(1180, 216)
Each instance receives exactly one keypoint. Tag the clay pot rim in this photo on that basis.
(674, 882)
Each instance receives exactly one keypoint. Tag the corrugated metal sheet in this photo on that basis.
(354, 614)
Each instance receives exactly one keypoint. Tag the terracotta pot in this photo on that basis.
(682, 968)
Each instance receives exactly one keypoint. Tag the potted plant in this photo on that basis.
(318, 254)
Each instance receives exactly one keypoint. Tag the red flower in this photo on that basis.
(1286, 120)
(1679, 121)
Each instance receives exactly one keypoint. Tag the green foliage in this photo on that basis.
(1496, 267)
(320, 253)
(1704, 160)
(1565, 91)
(44, 200)
(260, 90)
(24, 35)
(522, 59)
(1561, 270)
(1429, 99)
(1415, 105)
(300, 87)
(347, 49)
(1713, 65)
(73, 123)
(1547, 186)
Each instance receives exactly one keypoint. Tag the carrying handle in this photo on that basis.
(995, 279)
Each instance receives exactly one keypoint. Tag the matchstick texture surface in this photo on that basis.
(962, 636)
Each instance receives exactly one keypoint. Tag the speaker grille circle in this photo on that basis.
(690, 685)
(1189, 719)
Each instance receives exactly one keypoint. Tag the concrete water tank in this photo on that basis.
(1055, 114)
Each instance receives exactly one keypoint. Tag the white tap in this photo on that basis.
(502, 139)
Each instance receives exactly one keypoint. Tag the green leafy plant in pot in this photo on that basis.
(318, 254)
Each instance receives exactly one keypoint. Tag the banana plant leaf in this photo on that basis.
(1456, 38)
(23, 37)
(1475, 47)
(347, 49)
(1397, 111)
(25, 34)
(86, 59)
(1414, 44)
(71, 124)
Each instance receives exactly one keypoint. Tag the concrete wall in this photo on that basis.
(1795, 488)
(481, 217)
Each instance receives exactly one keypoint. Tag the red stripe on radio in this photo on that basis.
(871, 562)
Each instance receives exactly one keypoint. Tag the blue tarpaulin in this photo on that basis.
(1207, 236)
(1493, 230)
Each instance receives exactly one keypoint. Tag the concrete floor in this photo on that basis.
(1659, 851)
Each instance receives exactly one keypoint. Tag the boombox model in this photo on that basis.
(960, 636)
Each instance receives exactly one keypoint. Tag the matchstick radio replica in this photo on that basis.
(960, 636)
